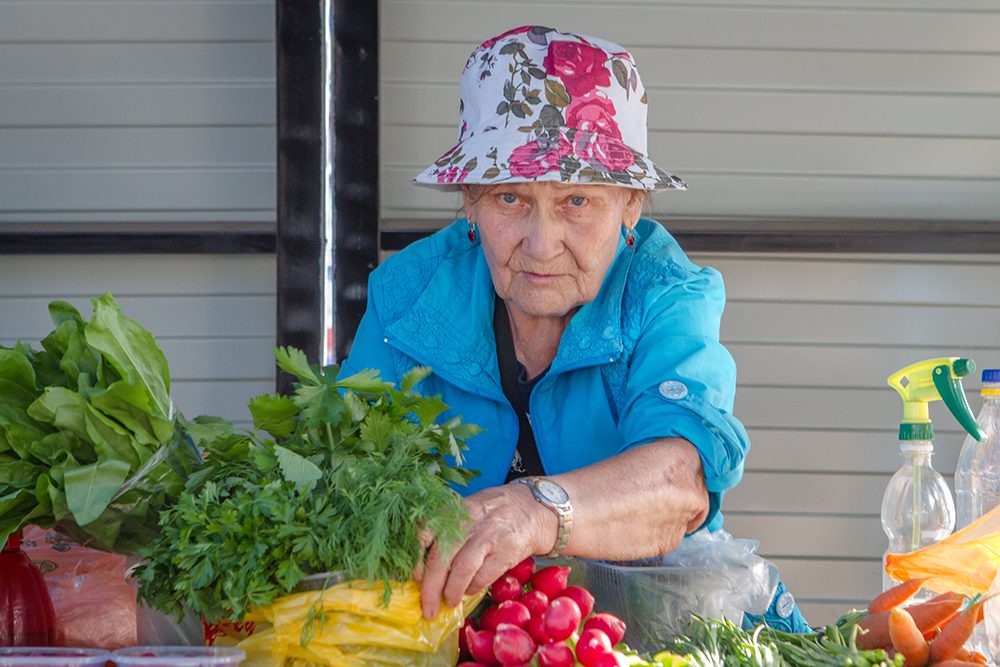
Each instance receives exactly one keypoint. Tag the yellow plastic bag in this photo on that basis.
(965, 562)
(351, 627)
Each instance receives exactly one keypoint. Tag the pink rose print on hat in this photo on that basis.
(603, 151)
(593, 112)
(538, 157)
(453, 174)
(581, 67)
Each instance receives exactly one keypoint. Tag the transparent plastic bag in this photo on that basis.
(710, 574)
(95, 606)
(347, 624)
(965, 561)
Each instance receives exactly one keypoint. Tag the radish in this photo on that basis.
(555, 654)
(561, 619)
(610, 624)
(463, 638)
(513, 612)
(481, 647)
(550, 580)
(536, 602)
(522, 571)
(582, 597)
(536, 628)
(505, 588)
(611, 659)
(470, 663)
(488, 621)
(591, 644)
(512, 645)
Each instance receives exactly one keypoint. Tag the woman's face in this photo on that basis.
(549, 245)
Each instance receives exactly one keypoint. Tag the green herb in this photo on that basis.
(88, 439)
(352, 470)
(719, 643)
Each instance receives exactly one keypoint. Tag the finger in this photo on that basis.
(465, 567)
(426, 539)
(494, 567)
(434, 576)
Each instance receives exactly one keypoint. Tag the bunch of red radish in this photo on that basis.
(536, 615)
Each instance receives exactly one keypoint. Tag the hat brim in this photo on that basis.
(564, 155)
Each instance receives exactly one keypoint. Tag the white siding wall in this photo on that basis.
(782, 109)
(137, 110)
(214, 316)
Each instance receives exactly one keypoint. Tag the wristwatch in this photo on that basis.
(556, 499)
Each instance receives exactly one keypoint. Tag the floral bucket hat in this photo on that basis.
(542, 105)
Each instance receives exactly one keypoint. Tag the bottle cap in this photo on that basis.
(923, 431)
(991, 375)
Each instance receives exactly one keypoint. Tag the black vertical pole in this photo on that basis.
(355, 159)
(299, 44)
(327, 63)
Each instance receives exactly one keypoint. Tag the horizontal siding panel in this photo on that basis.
(148, 189)
(820, 613)
(665, 67)
(264, 216)
(220, 359)
(808, 537)
(138, 105)
(77, 278)
(808, 493)
(164, 315)
(134, 147)
(876, 279)
(109, 62)
(865, 5)
(852, 580)
(410, 105)
(127, 21)
(725, 27)
(760, 195)
(862, 324)
(800, 155)
(775, 365)
(228, 400)
(791, 450)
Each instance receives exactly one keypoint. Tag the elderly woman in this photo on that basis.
(574, 331)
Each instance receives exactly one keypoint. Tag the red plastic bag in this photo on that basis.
(94, 604)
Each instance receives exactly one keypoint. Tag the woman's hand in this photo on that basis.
(506, 526)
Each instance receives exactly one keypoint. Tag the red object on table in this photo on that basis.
(26, 614)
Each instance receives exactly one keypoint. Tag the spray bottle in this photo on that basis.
(917, 508)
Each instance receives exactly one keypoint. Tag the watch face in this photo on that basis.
(552, 491)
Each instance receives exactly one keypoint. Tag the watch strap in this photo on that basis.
(563, 512)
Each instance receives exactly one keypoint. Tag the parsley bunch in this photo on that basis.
(339, 476)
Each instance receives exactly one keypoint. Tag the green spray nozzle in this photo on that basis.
(932, 380)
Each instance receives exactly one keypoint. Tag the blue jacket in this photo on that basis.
(641, 361)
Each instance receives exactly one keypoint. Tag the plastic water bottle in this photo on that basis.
(977, 476)
(917, 509)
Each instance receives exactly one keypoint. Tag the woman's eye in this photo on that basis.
(508, 198)
(577, 201)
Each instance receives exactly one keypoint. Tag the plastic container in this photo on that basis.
(48, 656)
(27, 617)
(178, 656)
(709, 574)
(977, 475)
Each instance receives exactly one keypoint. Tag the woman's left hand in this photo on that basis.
(506, 526)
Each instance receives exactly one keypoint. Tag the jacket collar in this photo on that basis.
(450, 325)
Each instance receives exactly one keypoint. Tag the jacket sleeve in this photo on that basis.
(369, 348)
(682, 381)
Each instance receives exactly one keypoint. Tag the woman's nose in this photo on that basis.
(543, 238)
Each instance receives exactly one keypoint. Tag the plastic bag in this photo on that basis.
(347, 624)
(95, 606)
(710, 574)
(965, 561)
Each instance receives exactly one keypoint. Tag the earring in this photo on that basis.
(630, 238)
(472, 232)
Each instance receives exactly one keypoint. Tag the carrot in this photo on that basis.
(955, 663)
(896, 595)
(971, 656)
(907, 638)
(947, 644)
(928, 616)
